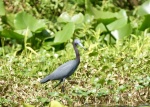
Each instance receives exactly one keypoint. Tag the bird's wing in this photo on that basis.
(63, 71)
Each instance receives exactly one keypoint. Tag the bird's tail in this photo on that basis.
(44, 80)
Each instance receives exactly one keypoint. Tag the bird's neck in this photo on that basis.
(76, 52)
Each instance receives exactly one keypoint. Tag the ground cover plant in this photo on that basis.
(36, 37)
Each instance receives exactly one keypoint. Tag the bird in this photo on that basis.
(67, 69)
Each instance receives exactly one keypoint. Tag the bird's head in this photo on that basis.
(78, 42)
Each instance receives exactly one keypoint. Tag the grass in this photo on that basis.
(113, 75)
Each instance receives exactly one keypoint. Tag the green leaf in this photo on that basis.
(101, 27)
(2, 9)
(11, 34)
(103, 91)
(77, 18)
(1, 28)
(26, 32)
(122, 88)
(117, 24)
(65, 34)
(122, 32)
(109, 39)
(24, 20)
(43, 100)
(88, 6)
(102, 16)
(88, 18)
(144, 9)
(105, 17)
(64, 17)
(54, 94)
(145, 23)
(121, 14)
(10, 19)
(109, 17)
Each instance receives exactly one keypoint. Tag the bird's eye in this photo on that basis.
(77, 43)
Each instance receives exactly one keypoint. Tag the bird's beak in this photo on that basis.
(81, 46)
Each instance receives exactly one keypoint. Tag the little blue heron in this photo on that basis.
(66, 69)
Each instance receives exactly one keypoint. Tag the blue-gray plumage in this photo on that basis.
(66, 69)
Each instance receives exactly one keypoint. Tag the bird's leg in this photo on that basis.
(63, 88)
(59, 83)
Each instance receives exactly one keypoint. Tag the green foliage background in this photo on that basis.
(36, 38)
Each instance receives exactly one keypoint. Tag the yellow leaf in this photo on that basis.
(56, 104)
(28, 105)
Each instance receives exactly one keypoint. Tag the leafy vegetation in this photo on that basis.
(36, 38)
